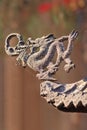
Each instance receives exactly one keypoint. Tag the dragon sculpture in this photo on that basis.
(39, 55)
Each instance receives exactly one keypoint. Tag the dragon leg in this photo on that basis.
(69, 64)
(46, 74)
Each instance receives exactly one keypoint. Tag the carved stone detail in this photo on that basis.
(38, 54)
(66, 97)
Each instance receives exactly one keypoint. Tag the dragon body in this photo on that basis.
(42, 52)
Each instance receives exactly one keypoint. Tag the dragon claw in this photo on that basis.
(73, 34)
(68, 67)
(45, 76)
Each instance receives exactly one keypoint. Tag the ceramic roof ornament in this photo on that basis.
(38, 54)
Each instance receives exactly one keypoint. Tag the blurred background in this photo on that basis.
(21, 107)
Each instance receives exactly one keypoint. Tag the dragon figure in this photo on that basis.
(38, 54)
